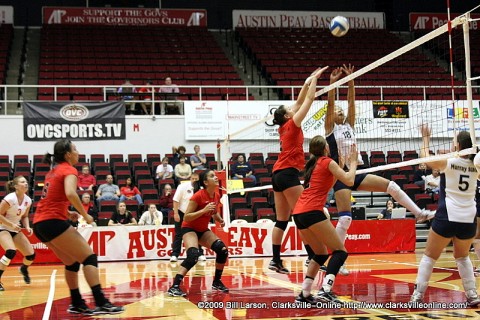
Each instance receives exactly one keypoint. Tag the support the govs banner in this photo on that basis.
(75, 121)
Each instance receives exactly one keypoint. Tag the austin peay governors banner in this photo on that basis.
(75, 121)
(125, 16)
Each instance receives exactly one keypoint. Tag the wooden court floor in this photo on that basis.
(375, 289)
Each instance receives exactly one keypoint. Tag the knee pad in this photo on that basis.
(340, 255)
(344, 221)
(281, 225)
(320, 258)
(91, 261)
(73, 267)
(8, 256)
(221, 250)
(27, 260)
(192, 258)
(393, 189)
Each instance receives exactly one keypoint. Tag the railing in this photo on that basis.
(12, 95)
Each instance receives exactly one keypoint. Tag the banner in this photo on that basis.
(6, 15)
(431, 21)
(44, 121)
(125, 16)
(122, 243)
(304, 19)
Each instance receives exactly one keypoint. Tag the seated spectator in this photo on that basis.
(432, 182)
(183, 171)
(171, 92)
(164, 170)
(147, 98)
(86, 181)
(198, 161)
(420, 174)
(130, 192)
(152, 217)
(242, 169)
(177, 152)
(90, 209)
(166, 202)
(126, 88)
(122, 216)
(387, 212)
(107, 191)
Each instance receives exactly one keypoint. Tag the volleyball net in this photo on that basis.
(424, 81)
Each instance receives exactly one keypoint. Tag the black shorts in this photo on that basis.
(339, 185)
(199, 233)
(450, 229)
(308, 219)
(12, 233)
(48, 230)
(285, 179)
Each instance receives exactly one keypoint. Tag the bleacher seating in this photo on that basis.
(6, 34)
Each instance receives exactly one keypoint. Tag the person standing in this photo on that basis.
(291, 160)
(51, 227)
(14, 209)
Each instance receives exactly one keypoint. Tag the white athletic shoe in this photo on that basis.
(416, 297)
(173, 259)
(425, 215)
(202, 258)
(343, 271)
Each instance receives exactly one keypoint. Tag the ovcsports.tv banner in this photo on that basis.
(75, 121)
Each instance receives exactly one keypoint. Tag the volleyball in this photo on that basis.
(339, 26)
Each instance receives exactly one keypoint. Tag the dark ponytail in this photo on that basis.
(60, 148)
(279, 116)
(465, 141)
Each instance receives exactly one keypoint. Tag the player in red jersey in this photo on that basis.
(203, 205)
(315, 227)
(51, 227)
(286, 171)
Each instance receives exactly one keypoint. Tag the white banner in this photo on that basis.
(6, 15)
(240, 120)
(305, 19)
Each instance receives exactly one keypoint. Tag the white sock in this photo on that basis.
(476, 246)
(424, 273)
(328, 281)
(307, 287)
(465, 269)
(402, 198)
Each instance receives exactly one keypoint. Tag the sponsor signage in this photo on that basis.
(75, 121)
(125, 16)
(390, 109)
(122, 243)
(305, 19)
(6, 15)
(430, 21)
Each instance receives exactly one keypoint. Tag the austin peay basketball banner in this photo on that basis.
(122, 243)
(125, 16)
(44, 121)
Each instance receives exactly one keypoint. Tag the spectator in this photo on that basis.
(198, 160)
(242, 169)
(432, 182)
(90, 209)
(152, 217)
(166, 202)
(147, 99)
(130, 192)
(107, 191)
(177, 152)
(164, 170)
(420, 174)
(122, 216)
(171, 92)
(387, 212)
(86, 181)
(126, 88)
(183, 171)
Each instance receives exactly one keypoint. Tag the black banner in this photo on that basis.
(390, 109)
(76, 121)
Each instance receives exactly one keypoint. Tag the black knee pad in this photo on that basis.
(320, 258)
(221, 250)
(73, 267)
(342, 255)
(30, 257)
(281, 225)
(191, 259)
(10, 254)
(91, 261)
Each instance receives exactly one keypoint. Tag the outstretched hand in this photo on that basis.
(348, 70)
(335, 75)
(316, 74)
(425, 130)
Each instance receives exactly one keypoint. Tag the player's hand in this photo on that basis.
(88, 218)
(210, 208)
(335, 75)
(353, 154)
(176, 217)
(29, 231)
(72, 215)
(425, 130)
(348, 70)
(222, 223)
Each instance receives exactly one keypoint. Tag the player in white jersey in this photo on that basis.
(14, 209)
(340, 135)
(455, 220)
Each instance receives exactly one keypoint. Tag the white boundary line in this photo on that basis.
(51, 294)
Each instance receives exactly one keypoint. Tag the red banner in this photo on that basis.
(125, 16)
(430, 21)
(120, 243)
